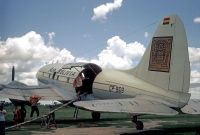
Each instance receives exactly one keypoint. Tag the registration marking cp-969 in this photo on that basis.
(116, 89)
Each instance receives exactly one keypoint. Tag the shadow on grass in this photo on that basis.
(168, 131)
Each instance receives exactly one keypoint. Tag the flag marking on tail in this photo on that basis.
(166, 20)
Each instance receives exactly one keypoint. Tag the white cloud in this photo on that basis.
(119, 54)
(197, 20)
(28, 53)
(27, 77)
(100, 12)
(146, 34)
(195, 81)
(51, 36)
(194, 54)
(64, 56)
(195, 76)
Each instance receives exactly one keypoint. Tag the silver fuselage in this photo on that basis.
(108, 84)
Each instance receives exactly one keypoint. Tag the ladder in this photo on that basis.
(41, 117)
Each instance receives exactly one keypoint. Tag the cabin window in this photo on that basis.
(46, 74)
(63, 78)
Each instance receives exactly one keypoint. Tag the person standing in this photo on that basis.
(23, 113)
(2, 120)
(34, 100)
(51, 118)
(16, 116)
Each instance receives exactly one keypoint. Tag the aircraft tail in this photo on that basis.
(165, 62)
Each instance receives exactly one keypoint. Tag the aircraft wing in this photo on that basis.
(193, 107)
(194, 85)
(129, 105)
(24, 92)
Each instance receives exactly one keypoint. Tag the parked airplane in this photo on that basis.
(158, 85)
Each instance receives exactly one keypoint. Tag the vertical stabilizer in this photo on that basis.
(165, 62)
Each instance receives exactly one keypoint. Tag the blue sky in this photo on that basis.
(74, 29)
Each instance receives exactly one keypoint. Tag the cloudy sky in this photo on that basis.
(111, 33)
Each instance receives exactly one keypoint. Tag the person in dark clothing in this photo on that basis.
(34, 109)
(16, 116)
(23, 113)
(2, 120)
(34, 100)
(49, 120)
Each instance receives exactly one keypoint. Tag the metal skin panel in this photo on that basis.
(128, 105)
(133, 87)
(180, 71)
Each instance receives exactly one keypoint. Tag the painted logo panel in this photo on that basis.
(160, 54)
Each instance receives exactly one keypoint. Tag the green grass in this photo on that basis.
(64, 113)
(65, 118)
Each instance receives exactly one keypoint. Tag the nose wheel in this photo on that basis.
(139, 124)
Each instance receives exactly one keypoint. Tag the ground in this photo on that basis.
(110, 124)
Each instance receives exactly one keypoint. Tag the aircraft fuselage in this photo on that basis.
(104, 84)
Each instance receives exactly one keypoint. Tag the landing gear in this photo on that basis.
(75, 113)
(139, 124)
(96, 116)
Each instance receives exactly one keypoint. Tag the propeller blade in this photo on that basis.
(13, 73)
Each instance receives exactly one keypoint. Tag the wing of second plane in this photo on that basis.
(19, 91)
(193, 107)
(129, 105)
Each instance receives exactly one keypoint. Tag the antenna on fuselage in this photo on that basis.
(13, 73)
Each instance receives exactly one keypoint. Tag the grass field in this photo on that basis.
(64, 113)
(179, 124)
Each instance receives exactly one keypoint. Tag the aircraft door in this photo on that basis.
(84, 81)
